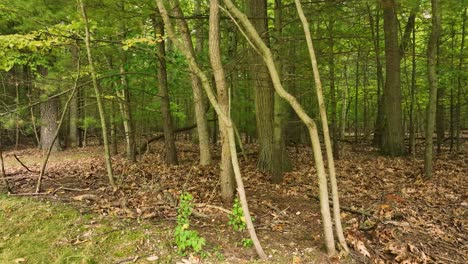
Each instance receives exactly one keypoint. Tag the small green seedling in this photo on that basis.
(238, 223)
(184, 237)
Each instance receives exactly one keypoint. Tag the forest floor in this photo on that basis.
(390, 213)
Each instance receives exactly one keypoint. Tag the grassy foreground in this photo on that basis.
(43, 232)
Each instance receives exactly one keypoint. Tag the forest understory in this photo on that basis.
(391, 214)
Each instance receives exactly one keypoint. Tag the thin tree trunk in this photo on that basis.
(185, 48)
(73, 120)
(57, 130)
(200, 114)
(459, 85)
(3, 175)
(375, 34)
(97, 91)
(412, 137)
(49, 115)
(326, 133)
(168, 127)
(432, 79)
(280, 159)
(257, 41)
(227, 176)
(356, 98)
(331, 70)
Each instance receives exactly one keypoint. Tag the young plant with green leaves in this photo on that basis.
(185, 238)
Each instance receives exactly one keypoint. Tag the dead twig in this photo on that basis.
(214, 207)
(28, 194)
(22, 164)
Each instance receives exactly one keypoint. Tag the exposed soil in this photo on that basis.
(390, 213)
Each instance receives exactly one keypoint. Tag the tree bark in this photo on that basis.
(168, 127)
(267, 56)
(49, 118)
(227, 176)
(185, 48)
(375, 34)
(200, 113)
(102, 115)
(280, 159)
(432, 79)
(460, 85)
(393, 136)
(264, 96)
(326, 133)
(73, 139)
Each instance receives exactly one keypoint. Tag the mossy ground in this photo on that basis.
(43, 232)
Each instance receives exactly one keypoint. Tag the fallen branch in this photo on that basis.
(214, 207)
(144, 147)
(28, 194)
(22, 164)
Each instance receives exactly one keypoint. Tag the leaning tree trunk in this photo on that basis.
(267, 56)
(186, 50)
(393, 133)
(168, 127)
(97, 91)
(227, 176)
(200, 113)
(326, 133)
(432, 79)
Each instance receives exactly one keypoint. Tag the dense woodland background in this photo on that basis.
(97, 72)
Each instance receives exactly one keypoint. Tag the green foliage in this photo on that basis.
(236, 218)
(184, 237)
(237, 222)
(89, 122)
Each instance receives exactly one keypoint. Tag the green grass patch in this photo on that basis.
(45, 232)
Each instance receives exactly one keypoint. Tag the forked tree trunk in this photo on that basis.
(200, 114)
(227, 176)
(256, 40)
(326, 133)
(97, 91)
(432, 79)
(185, 49)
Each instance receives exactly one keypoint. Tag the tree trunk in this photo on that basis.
(200, 114)
(331, 72)
(393, 134)
(264, 96)
(267, 56)
(356, 98)
(432, 79)
(168, 127)
(49, 118)
(185, 48)
(97, 91)
(73, 139)
(375, 34)
(460, 86)
(227, 176)
(326, 133)
(280, 159)
(412, 137)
